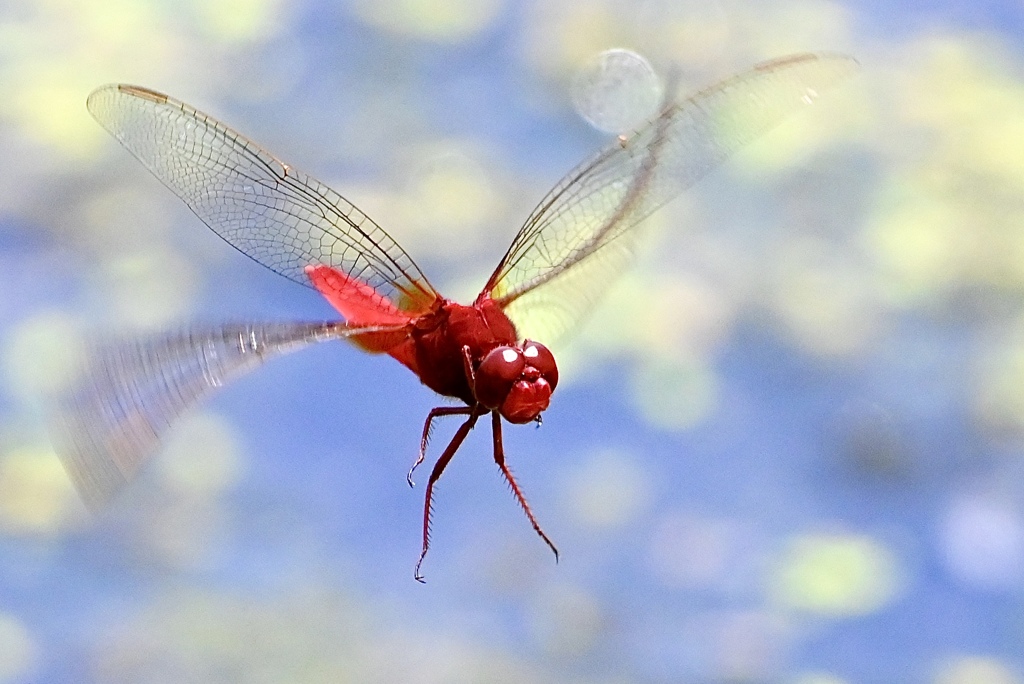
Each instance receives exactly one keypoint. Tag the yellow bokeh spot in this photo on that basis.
(122, 219)
(1000, 399)
(675, 394)
(59, 50)
(51, 110)
(916, 238)
(835, 575)
(561, 37)
(999, 394)
(969, 96)
(817, 678)
(188, 533)
(42, 354)
(975, 670)
(107, 24)
(19, 652)
(439, 20)
(692, 33)
(827, 308)
(830, 121)
(36, 496)
(789, 27)
(677, 315)
(949, 212)
(202, 456)
(448, 202)
(239, 20)
(568, 621)
(934, 227)
(609, 492)
(151, 289)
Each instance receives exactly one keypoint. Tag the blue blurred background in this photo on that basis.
(789, 447)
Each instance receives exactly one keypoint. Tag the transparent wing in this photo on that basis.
(129, 391)
(578, 238)
(280, 217)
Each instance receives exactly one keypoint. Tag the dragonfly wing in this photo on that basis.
(280, 217)
(129, 391)
(578, 238)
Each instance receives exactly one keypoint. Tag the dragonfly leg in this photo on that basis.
(436, 412)
(499, 458)
(467, 364)
(439, 467)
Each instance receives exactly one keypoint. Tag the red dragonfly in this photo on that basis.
(485, 354)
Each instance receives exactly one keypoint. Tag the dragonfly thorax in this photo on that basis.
(559, 263)
(517, 380)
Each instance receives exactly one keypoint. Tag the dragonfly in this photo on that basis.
(487, 355)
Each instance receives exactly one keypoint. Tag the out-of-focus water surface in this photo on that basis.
(788, 448)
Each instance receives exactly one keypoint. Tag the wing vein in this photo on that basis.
(282, 218)
(579, 237)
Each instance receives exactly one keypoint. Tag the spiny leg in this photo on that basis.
(499, 458)
(436, 412)
(467, 367)
(439, 467)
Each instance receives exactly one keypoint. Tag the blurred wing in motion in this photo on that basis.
(130, 391)
(578, 239)
(280, 217)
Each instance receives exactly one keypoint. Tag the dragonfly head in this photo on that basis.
(517, 380)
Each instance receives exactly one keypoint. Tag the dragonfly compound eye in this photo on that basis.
(499, 370)
(541, 358)
(526, 400)
(268, 212)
